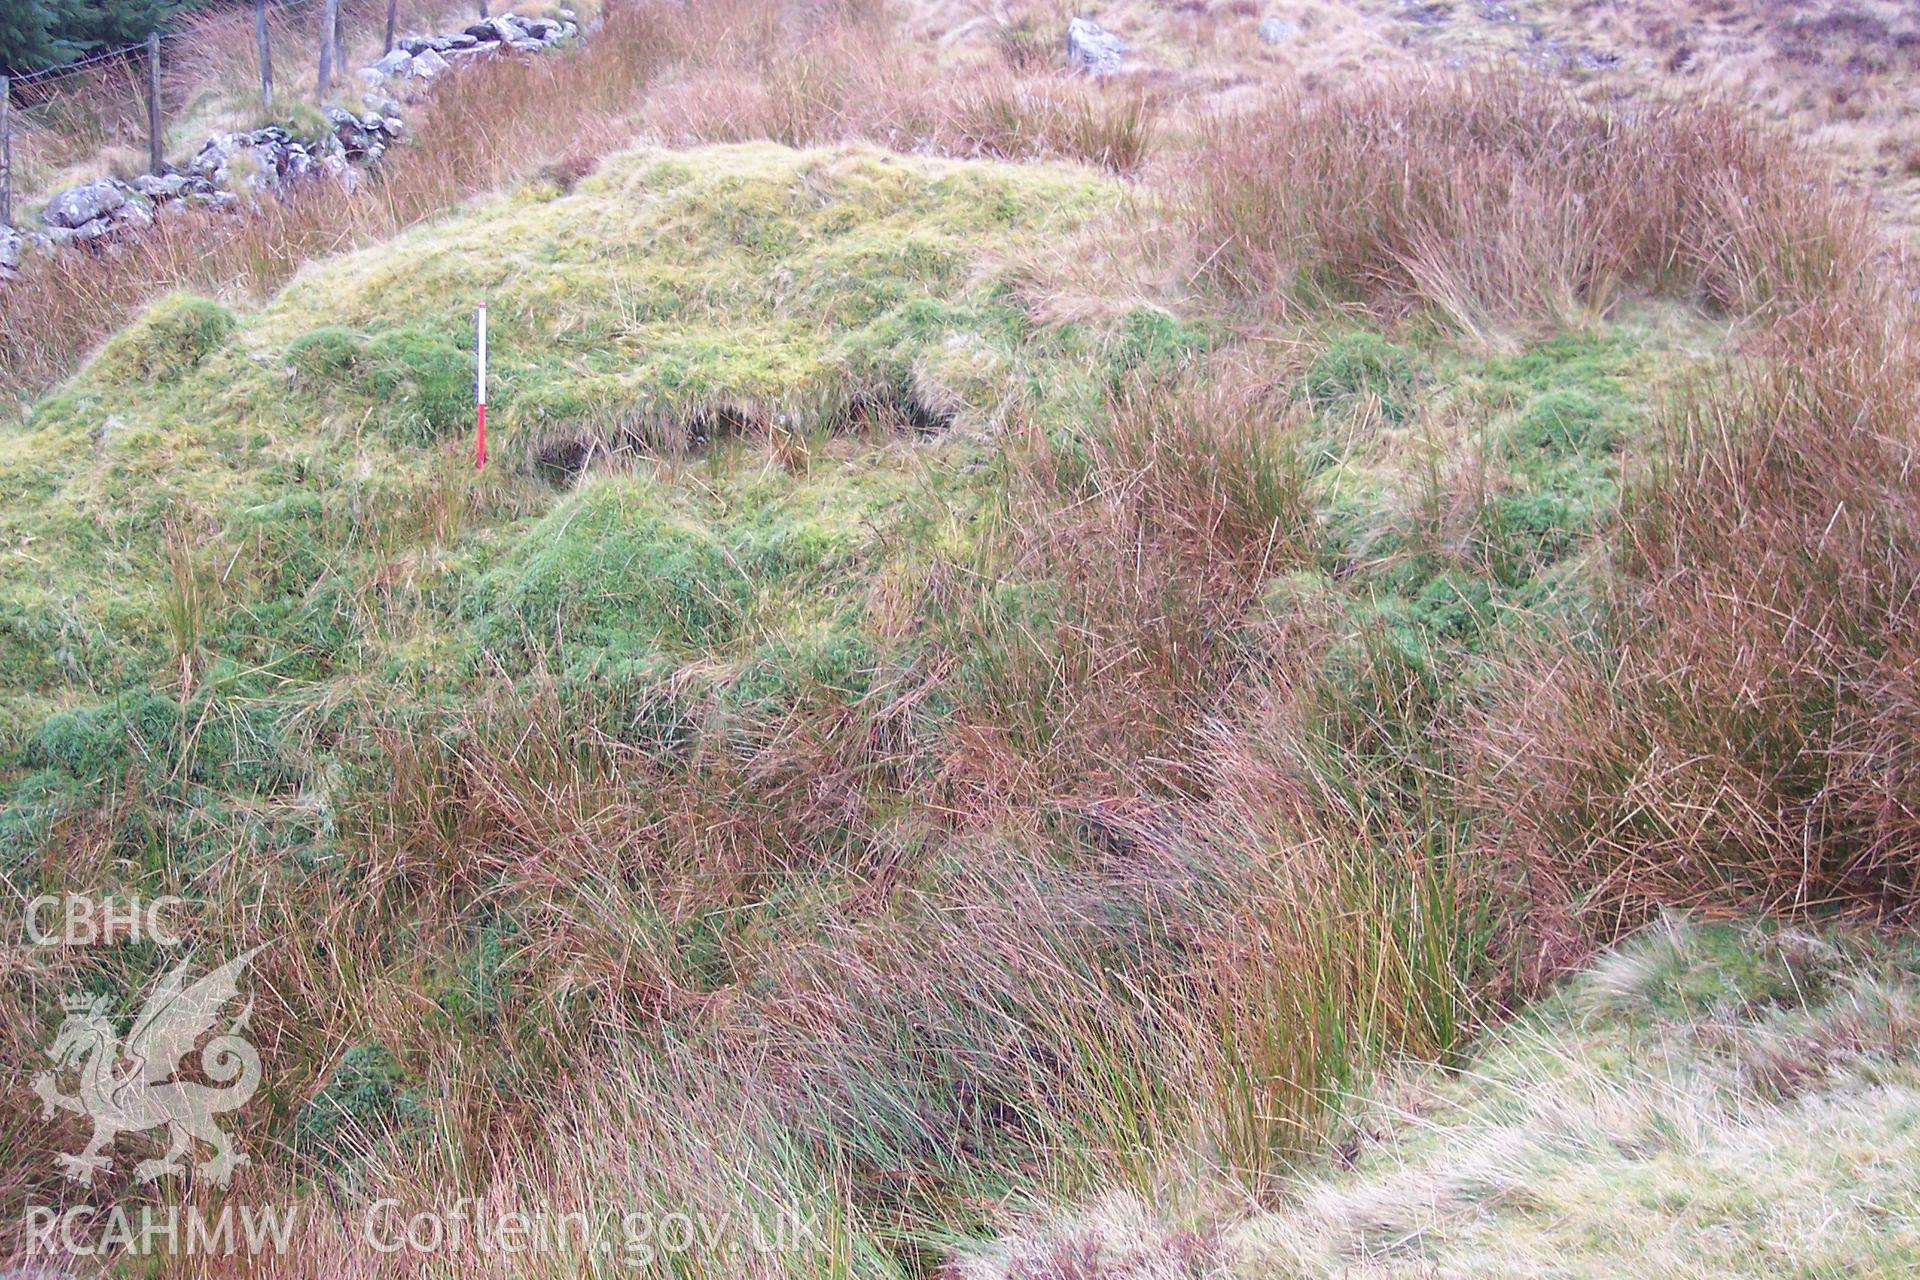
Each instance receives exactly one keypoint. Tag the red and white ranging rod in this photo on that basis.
(480, 389)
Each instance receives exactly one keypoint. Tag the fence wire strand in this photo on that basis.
(65, 69)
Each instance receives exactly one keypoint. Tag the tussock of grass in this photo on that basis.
(1750, 739)
(1494, 200)
(1632, 1124)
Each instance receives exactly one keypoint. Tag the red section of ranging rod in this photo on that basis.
(480, 389)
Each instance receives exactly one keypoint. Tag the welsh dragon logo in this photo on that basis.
(128, 1087)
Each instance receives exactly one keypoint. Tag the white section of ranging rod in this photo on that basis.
(480, 365)
(480, 388)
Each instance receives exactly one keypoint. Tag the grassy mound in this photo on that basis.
(662, 304)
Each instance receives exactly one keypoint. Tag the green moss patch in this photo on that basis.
(1365, 363)
(615, 567)
(169, 340)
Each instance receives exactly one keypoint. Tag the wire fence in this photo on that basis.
(201, 74)
(127, 52)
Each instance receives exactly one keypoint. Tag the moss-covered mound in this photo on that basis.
(283, 496)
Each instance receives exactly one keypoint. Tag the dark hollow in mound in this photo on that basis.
(905, 413)
(561, 458)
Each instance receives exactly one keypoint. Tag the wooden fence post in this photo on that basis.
(266, 55)
(393, 12)
(6, 152)
(329, 21)
(156, 149)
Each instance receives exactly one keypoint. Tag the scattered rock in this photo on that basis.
(254, 160)
(426, 65)
(394, 62)
(77, 206)
(161, 186)
(135, 214)
(364, 138)
(504, 29)
(272, 160)
(1277, 30)
(341, 169)
(12, 243)
(1093, 48)
(87, 232)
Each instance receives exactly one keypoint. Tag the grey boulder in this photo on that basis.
(136, 214)
(1093, 48)
(502, 28)
(77, 206)
(1276, 30)
(160, 186)
(395, 62)
(428, 65)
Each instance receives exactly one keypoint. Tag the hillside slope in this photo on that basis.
(970, 686)
(807, 675)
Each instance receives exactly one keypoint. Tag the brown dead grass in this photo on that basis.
(1503, 199)
(1744, 728)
